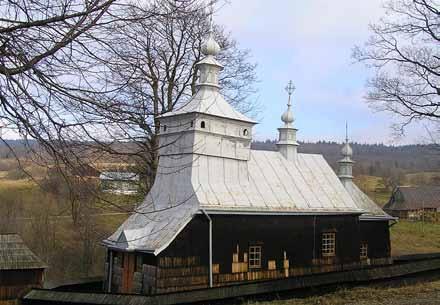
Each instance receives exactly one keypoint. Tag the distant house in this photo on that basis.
(409, 202)
(20, 268)
(125, 183)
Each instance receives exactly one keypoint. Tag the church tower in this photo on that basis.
(287, 144)
(207, 124)
(346, 163)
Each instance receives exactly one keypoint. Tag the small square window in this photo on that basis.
(364, 251)
(328, 244)
(255, 257)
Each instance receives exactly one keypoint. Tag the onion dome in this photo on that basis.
(347, 151)
(210, 46)
(287, 116)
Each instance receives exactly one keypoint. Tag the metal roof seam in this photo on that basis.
(287, 168)
(264, 176)
(280, 180)
(336, 187)
(309, 162)
(301, 158)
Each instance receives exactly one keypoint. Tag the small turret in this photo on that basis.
(287, 144)
(346, 163)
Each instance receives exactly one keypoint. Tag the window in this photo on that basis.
(328, 244)
(255, 257)
(164, 127)
(364, 251)
(202, 124)
(192, 123)
(245, 132)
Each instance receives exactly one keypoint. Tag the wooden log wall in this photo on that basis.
(181, 273)
(173, 279)
(184, 265)
(15, 283)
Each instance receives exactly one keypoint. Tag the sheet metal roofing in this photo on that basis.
(373, 211)
(414, 198)
(210, 102)
(119, 176)
(266, 184)
(15, 255)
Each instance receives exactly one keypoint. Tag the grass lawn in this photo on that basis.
(415, 237)
(373, 186)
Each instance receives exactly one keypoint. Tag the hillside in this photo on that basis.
(373, 159)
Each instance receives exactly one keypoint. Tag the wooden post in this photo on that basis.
(110, 272)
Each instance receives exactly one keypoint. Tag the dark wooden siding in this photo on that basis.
(377, 235)
(299, 236)
(291, 245)
(15, 283)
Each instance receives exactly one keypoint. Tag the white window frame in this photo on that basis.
(328, 244)
(254, 256)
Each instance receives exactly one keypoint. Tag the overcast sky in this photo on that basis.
(310, 42)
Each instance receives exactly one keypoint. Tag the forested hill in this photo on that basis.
(373, 159)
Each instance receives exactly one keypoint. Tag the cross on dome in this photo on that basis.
(290, 88)
(287, 116)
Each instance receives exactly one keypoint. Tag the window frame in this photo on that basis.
(328, 244)
(255, 255)
(363, 251)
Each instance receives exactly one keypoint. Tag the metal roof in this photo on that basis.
(414, 197)
(266, 184)
(211, 102)
(373, 211)
(15, 255)
(120, 176)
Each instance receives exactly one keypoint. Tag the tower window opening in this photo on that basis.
(192, 124)
(202, 124)
(164, 127)
(245, 132)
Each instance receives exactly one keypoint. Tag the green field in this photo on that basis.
(374, 187)
(415, 237)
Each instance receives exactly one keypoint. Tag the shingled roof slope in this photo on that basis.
(14, 254)
(414, 198)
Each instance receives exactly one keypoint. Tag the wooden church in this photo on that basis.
(220, 213)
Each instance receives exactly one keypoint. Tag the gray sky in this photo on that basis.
(310, 42)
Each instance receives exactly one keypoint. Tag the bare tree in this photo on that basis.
(88, 79)
(404, 53)
(153, 61)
